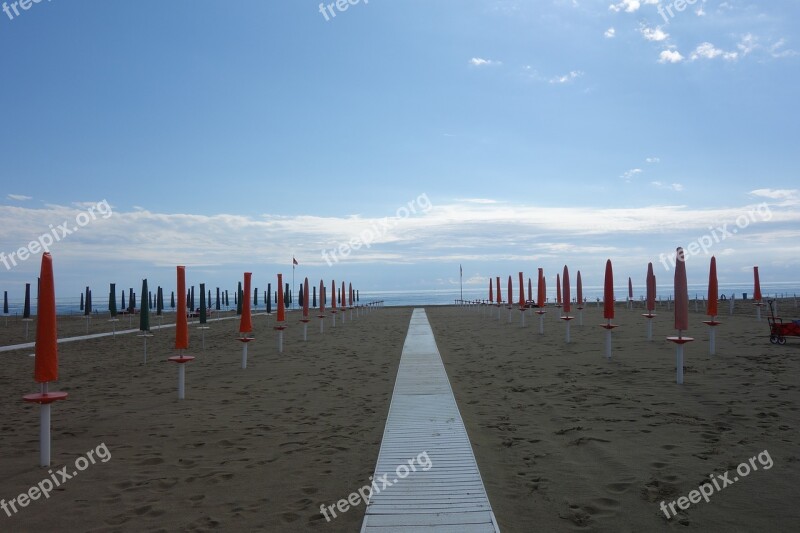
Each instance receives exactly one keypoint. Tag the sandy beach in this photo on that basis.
(568, 441)
(565, 440)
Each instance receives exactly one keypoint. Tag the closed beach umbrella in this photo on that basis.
(217, 302)
(510, 292)
(530, 290)
(87, 308)
(681, 294)
(491, 291)
(144, 312)
(46, 355)
(159, 301)
(558, 290)
(579, 290)
(681, 312)
(521, 291)
(651, 289)
(540, 289)
(172, 300)
(82, 306)
(246, 323)
(112, 300)
(756, 285)
(238, 298)
(300, 296)
(281, 307)
(314, 296)
(269, 298)
(711, 310)
(630, 289)
(565, 291)
(499, 295)
(608, 292)
(203, 311)
(255, 297)
(5, 302)
(181, 323)
(713, 288)
(305, 299)
(321, 297)
(608, 305)
(122, 303)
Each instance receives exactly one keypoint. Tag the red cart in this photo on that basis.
(779, 330)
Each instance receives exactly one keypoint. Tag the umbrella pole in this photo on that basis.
(305, 332)
(608, 342)
(712, 341)
(145, 350)
(649, 329)
(567, 321)
(580, 317)
(321, 325)
(44, 431)
(181, 381)
(244, 355)
(280, 341)
(523, 318)
(541, 324)
(679, 363)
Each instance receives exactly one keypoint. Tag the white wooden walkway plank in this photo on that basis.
(431, 481)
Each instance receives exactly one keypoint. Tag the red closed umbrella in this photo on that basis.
(608, 305)
(681, 312)
(711, 309)
(45, 365)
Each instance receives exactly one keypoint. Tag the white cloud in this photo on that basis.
(670, 56)
(653, 160)
(707, 50)
(653, 34)
(677, 187)
(630, 6)
(19, 197)
(630, 174)
(566, 78)
(480, 62)
(610, 33)
(788, 196)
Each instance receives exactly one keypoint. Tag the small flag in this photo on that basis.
(294, 261)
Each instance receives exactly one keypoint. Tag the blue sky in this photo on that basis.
(229, 136)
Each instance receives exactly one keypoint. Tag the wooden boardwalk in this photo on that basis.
(443, 491)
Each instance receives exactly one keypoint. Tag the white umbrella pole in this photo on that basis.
(305, 331)
(712, 341)
(541, 324)
(280, 341)
(608, 343)
(244, 355)
(181, 381)
(567, 321)
(321, 325)
(649, 329)
(580, 317)
(523, 318)
(44, 431)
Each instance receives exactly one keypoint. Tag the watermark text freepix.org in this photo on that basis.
(677, 5)
(760, 213)
(46, 240)
(717, 483)
(367, 491)
(56, 479)
(12, 10)
(341, 6)
(420, 204)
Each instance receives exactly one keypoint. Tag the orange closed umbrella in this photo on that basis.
(181, 333)
(681, 312)
(579, 290)
(650, 283)
(46, 357)
(540, 297)
(45, 367)
(491, 291)
(558, 291)
(608, 305)
(681, 294)
(711, 310)
(181, 322)
(246, 322)
(757, 292)
(608, 292)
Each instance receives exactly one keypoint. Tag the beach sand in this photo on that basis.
(254, 449)
(569, 441)
(565, 440)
